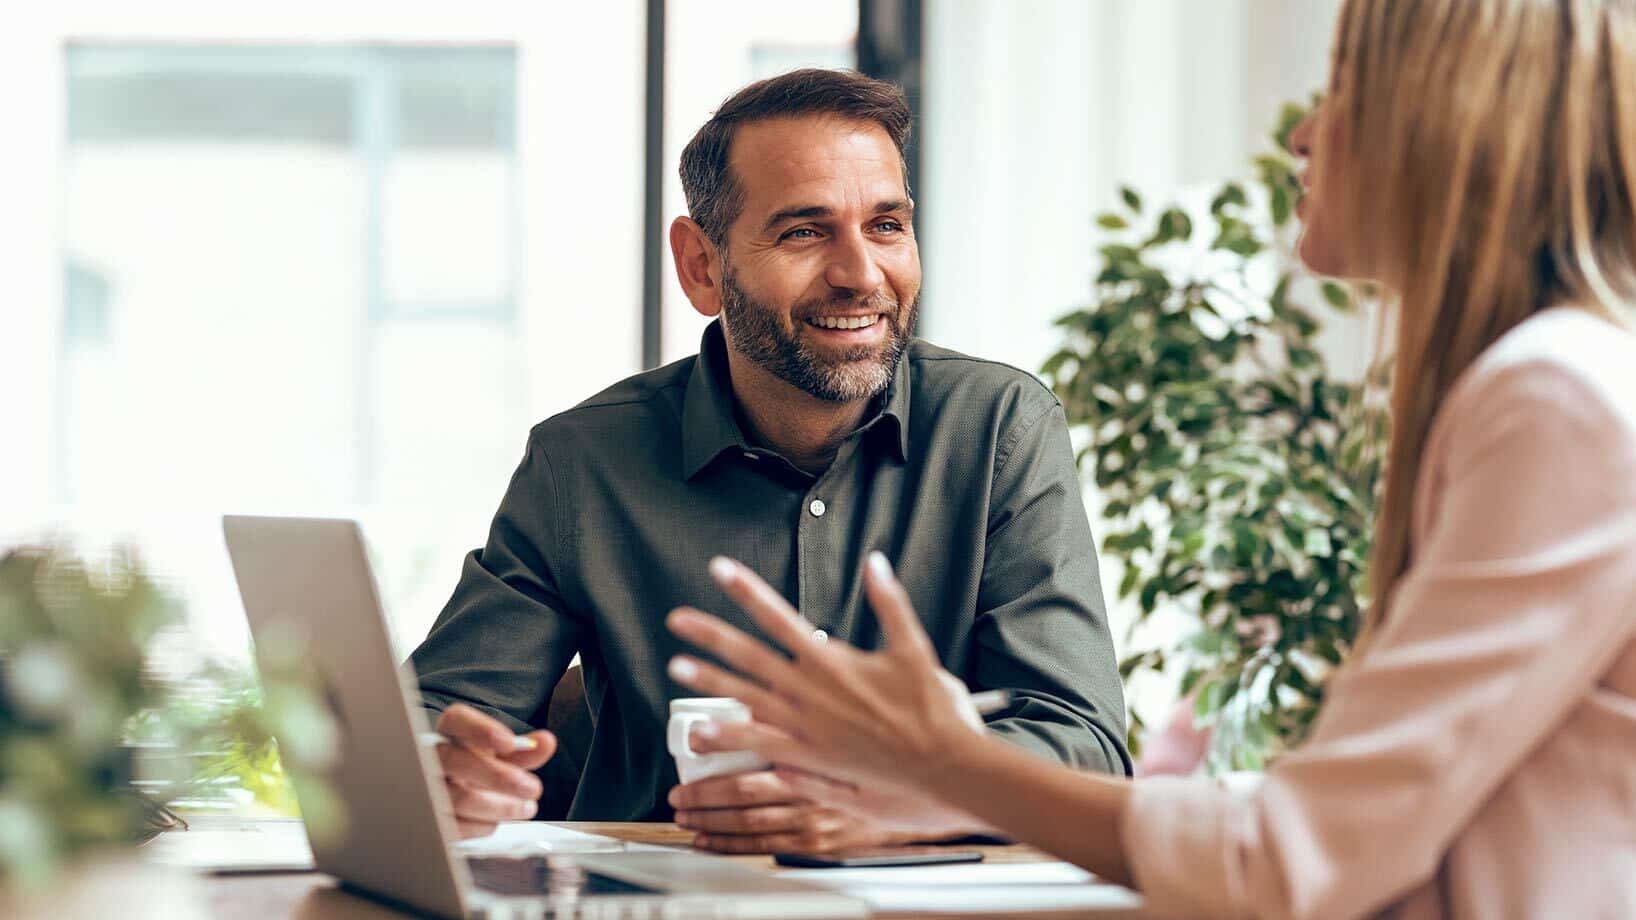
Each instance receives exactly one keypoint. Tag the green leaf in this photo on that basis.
(1209, 699)
(1132, 200)
(1190, 680)
(1127, 584)
(1181, 224)
(1338, 296)
(1056, 362)
(1150, 596)
(1282, 205)
(1280, 294)
(1232, 194)
(1289, 117)
(1193, 542)
(1120, 253)
(1112, 222)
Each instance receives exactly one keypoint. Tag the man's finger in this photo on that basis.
(819, 789)
(896, 612)
(545, 745)
(470, 829)
(743, 845)
(475, 730)
(484, 771)
(483, 805)
(766, 819)
(741, 790)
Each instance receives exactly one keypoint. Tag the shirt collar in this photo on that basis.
(710, 423)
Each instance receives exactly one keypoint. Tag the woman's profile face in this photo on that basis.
(1323, 243)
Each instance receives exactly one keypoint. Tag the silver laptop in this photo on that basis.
(309, 581)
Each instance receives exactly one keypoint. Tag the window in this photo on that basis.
(291, 285)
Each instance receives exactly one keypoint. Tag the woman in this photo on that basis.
(1477, 755)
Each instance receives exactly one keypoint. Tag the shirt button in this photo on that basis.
(819, 635)
(817, 507)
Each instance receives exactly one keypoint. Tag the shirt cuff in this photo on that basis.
(1178, 844)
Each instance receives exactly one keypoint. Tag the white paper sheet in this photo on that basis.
(534, 837)
(219, 844)
(987, 887)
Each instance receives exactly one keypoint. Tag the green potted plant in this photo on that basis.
(1237, 474)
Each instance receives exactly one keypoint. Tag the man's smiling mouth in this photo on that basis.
(844, 322)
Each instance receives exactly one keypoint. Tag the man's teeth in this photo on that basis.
(844, 322)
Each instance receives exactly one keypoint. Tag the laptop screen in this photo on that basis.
(513, 876)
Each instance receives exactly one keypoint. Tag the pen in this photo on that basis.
(433, 739)
(989, 702)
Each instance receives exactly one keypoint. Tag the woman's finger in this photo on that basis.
(710, 680)
(777, 745)
(896, 613)
(740, 651)
(711, 737)
(767, 607)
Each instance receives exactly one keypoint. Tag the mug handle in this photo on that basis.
(676, 739)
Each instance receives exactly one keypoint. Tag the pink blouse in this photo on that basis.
(1479, 759)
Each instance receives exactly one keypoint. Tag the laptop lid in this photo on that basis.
(308, 581)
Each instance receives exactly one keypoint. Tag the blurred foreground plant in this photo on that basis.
(75, 692)
(73, 639)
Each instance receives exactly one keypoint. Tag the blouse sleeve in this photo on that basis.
(1521, 594)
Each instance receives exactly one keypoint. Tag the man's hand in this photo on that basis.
(759, 813)
(766, 812)
(488, 779)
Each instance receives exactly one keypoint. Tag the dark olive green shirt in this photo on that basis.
(962, 475)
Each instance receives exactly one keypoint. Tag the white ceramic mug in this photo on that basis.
(692, 766)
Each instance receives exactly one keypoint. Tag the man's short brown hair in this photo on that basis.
(714, 197)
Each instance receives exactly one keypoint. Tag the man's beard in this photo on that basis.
(857, 372)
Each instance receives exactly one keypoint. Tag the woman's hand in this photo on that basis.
(865, 718)
(885, 721)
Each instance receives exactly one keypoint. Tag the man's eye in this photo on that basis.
(890, 226)
(800, 233)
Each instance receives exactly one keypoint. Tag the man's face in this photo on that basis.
(821, 274)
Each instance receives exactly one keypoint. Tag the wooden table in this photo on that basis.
(312, 896)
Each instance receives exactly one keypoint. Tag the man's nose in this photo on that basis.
(852, 266)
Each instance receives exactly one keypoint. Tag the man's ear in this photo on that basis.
(698, 265)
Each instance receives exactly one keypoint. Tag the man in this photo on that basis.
(809, 430)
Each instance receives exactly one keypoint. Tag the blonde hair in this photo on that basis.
(1490, 151)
